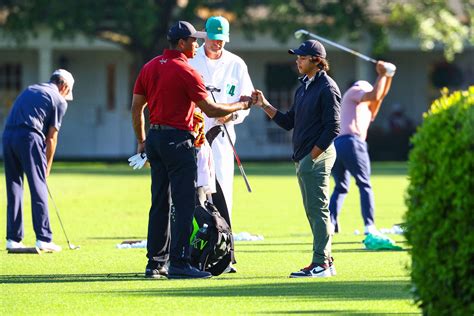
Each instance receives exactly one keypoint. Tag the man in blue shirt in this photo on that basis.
(29, 144)
(314, 118)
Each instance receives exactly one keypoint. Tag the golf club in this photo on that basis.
(300, 33)
(71, 246)
(213, 89)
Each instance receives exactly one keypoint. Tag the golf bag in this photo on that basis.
(212, 243)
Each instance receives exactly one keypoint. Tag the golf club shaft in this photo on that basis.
(59, 217)
(300, 33)
(239, 164)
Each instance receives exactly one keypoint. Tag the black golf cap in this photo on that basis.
(182, 30)
(311, 48)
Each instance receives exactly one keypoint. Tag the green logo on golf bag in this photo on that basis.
(199, 243)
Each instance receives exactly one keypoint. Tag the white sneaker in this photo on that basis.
(48, 246)
(11, 244)
(371, 229)
(314, 270)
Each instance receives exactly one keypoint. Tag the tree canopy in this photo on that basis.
(140, 26)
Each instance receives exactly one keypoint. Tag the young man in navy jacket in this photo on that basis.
(314, 118)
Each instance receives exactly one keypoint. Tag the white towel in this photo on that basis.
(206, 173)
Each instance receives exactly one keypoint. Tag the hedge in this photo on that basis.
(439, 223)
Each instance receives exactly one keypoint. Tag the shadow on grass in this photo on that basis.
(265, 244)
(298, 289)
(238, 250)
(105, 171)
(270, 247)
(270, 244)
(70, 278)
(136, 238)
(292, 289)
(331, 312)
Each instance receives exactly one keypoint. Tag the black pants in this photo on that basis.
(172, 158)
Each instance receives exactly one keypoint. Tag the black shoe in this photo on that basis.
(187, 272)
(155, 271)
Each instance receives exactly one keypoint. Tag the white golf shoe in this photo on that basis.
(48, 246)
(371, 229)
(11, 244)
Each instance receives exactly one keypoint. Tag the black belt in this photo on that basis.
(162, 127)
(213, 133)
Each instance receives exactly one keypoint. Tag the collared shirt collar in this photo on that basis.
(173, 53)
(304, 79)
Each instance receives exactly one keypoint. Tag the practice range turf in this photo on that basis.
(103, 204)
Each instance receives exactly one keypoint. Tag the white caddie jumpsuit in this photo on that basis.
(229, 73)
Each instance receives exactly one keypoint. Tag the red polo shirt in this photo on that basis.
(172, 88)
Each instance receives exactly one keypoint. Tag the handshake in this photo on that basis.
(137, 161)
(255, 99)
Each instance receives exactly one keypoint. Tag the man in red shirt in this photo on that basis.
(172, 89)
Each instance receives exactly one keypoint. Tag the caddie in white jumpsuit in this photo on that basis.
(227, 72)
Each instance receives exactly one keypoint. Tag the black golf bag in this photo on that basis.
(212, 244)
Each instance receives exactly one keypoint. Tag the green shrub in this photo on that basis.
(440, 201)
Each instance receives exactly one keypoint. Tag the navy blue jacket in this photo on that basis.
(314, 115)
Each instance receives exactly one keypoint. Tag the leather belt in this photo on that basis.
(213, 133)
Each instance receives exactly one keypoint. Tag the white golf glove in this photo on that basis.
(137, 161)
(389, 69)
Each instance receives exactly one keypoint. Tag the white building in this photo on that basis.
(98, 122)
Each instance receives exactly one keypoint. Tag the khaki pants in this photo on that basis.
(313, 178)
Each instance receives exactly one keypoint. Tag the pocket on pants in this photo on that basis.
(326, 159)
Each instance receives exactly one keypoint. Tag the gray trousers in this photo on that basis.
(313, 178)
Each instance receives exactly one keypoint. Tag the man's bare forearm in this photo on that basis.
(138, 119)
(139, 126)
(212, 109)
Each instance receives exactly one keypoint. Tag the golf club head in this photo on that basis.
(300, 33)
(72, 247)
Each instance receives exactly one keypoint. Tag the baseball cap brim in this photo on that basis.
(297, 51)
(218, 37)
(199, 34)
(69, 96)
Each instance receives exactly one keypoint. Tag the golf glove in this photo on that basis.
(137, 161)
(389, 69)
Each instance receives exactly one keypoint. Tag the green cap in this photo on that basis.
(217, 28)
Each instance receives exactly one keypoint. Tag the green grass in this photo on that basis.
(102, 205)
